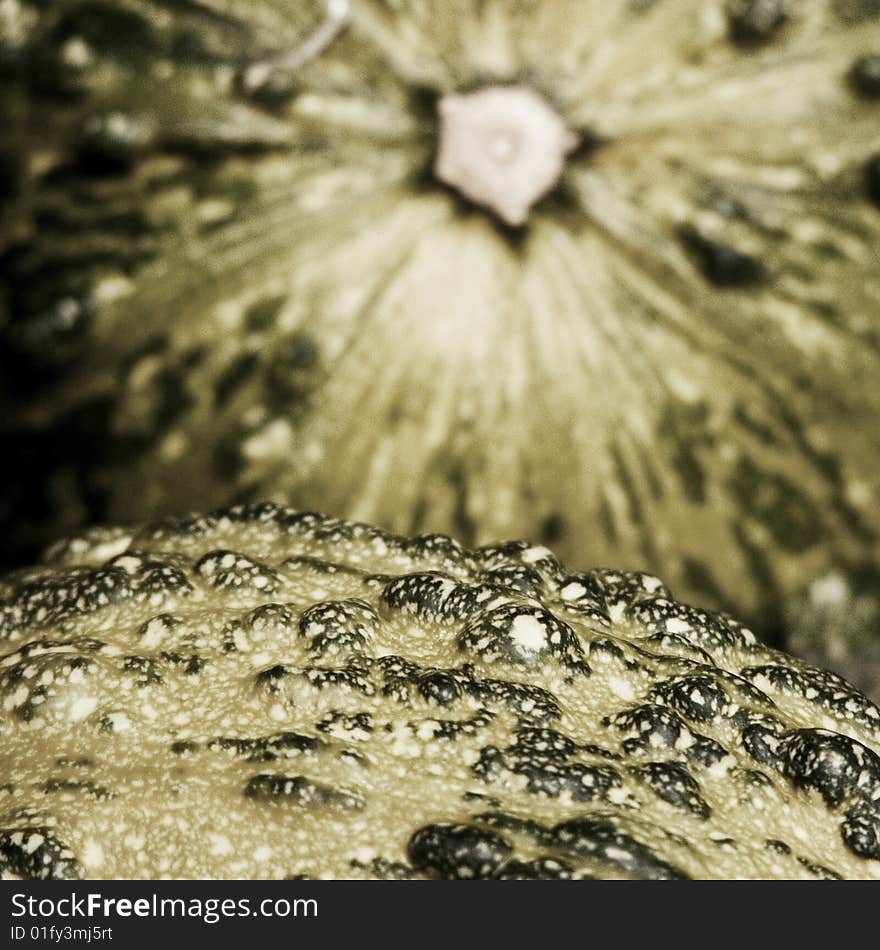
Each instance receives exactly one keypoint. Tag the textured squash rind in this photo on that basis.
(335, 700)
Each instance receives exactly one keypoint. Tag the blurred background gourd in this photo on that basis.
(237, 265)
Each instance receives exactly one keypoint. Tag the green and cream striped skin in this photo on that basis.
(261, 692)
(222, 291)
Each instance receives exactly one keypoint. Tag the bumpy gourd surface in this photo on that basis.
(261, 692)
(268, 293)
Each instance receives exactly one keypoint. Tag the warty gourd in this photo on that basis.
(267, 693)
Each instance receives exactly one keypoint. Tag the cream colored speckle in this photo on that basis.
(677, 625)
(528, 633)
(573, 591)
(93, 854)
(33, 842)
(220, 845)
(82, 707)
(620, 687)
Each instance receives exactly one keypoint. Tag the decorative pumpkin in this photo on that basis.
(265, 693)
(604, 273)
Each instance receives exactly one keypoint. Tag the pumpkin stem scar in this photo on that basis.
(335, 18)
(503, 148)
